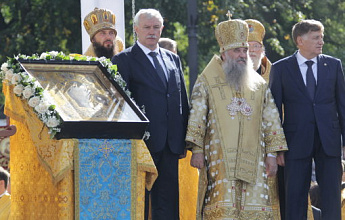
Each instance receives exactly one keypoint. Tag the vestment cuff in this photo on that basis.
(272, 155)
(197, 149)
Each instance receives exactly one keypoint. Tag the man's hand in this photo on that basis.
(197, 160)
(280, 159)
(271, 166)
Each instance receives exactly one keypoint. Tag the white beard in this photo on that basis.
(240, 75)
(257, 61)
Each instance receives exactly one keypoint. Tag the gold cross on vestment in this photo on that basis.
(218, 85)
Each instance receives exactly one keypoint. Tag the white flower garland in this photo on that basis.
(26, 86)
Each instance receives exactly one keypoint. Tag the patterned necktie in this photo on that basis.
(159, 68)
(310, 79)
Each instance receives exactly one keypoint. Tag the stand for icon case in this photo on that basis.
(98, 165)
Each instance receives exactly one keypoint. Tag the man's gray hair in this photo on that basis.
(149, 13)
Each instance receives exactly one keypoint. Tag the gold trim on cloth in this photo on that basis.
(144, 174)
(266, 68)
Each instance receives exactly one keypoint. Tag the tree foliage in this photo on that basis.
(278, 17)
(35, 26)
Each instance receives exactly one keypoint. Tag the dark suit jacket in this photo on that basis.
(301, 115)
(166, 108)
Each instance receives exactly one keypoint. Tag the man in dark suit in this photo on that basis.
(157, 84)
(309, 90)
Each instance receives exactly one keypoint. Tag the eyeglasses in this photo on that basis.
(255, 47)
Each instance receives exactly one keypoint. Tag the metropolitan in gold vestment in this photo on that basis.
(235, 126)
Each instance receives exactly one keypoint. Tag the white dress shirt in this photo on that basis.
(303, 66)
(159, 57)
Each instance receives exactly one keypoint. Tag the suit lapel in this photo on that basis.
(173, 74)
(297, 75)
(322, 72)
(149, 71)
(168, 64)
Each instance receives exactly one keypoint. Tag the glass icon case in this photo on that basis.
(89, 101)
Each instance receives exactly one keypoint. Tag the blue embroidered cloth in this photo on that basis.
(103, 179)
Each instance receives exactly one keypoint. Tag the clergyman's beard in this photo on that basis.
(257, 60)
(102, 51)
(236, 73)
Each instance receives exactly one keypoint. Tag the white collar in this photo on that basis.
(147, 50)
(301, 59)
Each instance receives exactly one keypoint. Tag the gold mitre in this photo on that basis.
(256, 30)
(232, 34)
(99, 19)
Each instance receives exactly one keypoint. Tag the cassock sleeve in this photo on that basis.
(198, 117)
(274, 137)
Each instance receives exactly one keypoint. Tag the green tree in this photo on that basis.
(332, 14)
(278, 17)
(36, 26)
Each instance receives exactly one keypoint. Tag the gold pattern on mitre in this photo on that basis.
(99, 19)
(256, 30)
(232, 34)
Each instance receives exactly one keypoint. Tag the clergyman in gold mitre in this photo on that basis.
(232, 34)
(100, 25)
(261, 63)
(236, 98)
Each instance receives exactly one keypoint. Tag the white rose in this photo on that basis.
(34, 101)
(42, 108)
(4, 67)
(102, 59)
(28, 92)
(18, 89)
(30, 79)
(54, 53)
(53, 122)
(43, 56)
(9, 74)
(16, 78)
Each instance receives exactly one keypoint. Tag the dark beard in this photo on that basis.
(102, 51)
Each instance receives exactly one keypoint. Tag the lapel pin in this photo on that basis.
(325, 64)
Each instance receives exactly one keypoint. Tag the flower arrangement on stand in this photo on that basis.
(27, 87)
